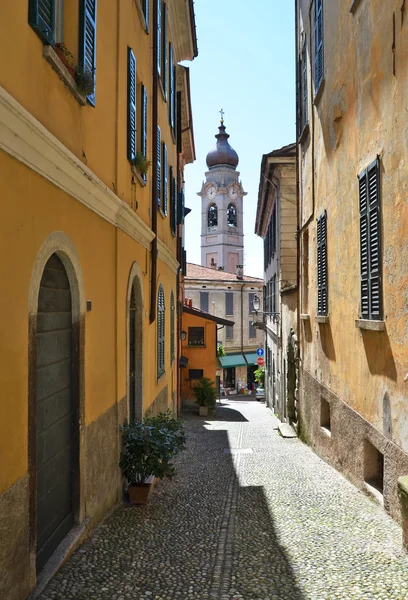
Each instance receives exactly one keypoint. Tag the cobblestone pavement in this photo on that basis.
(250, 516)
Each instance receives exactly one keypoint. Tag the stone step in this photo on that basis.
(287, 430)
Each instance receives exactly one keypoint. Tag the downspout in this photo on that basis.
(153, 251)
(298, 236)
(118, 437)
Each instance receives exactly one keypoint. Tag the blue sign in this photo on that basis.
(260, 351)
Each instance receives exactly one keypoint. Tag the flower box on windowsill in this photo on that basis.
(62, 71)
(138, 176)
(370, 325)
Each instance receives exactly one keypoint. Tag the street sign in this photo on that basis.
(260, 351)
(260, 361)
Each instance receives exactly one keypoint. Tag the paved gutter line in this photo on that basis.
(221, 579)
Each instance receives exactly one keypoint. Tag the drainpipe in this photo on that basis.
(298, 237)
(153, 251)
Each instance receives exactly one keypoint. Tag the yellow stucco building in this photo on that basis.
(91, 252)
(353, 227)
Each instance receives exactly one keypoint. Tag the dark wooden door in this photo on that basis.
(56, 414)
(132, 363)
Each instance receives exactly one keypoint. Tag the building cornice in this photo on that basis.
(166, 256)
(26, 139)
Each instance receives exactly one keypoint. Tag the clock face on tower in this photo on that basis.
(233, 192)
(211, 192)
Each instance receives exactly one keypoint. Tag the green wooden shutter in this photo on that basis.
(305, 116)
(87, 42)
(165, 178)
(41, 17)
(158, 162)
(159, 48)
(172, 326)
(131, 135)
(322, 287)
(173, 104)
(143, 129)
(229, 303)
(160, 331)
(146, 13)
(165, 53)
(370, 243)
(171, 86)
(173, 200)
(179, 134)
(318, 47)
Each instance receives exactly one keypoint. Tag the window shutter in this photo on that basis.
(159, 57)
(172, 202)
(146, 13)
(318, 48)
(322, 288)
(172, 323)
(173, 116)
(179, 134)
(165, 53)
(158, 161)
(165, 178)
(370, 243)
(143, 115)
(131, 137)
(251, 303)
(304, 86)
(160, 332)
(87, 42)
(204, 301)
(41, 17)
(229, 303)
(171, 82)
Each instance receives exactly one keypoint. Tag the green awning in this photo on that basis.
(251, 357)
(232, 360)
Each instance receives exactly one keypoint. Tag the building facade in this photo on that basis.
(229, 296)
(353, 230)
(276, 223)
(88, 97)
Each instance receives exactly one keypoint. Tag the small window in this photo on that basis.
(212, 216)
(318, 45)
(373, 467)
(196, 336)
(232, 215)
(204, 301)
(229, 303)
(325, 414)
(195, 373)
(229, 332)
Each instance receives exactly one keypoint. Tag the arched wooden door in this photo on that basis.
(56, 411)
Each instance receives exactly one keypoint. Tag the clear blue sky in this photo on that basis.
(245, 65)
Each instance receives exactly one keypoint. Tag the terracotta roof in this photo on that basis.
(199, 272)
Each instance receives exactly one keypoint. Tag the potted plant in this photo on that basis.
(173, 424)
(220, 350)
(206, 395)
(85, 80)
(141, 163)
(147, 452)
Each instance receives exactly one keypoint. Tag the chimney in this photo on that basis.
(213, 308)
(220, 268)
(240, 272)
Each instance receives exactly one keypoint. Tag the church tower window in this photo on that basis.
(212, 215)
(232, 215)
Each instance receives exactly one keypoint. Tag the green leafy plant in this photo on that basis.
(147, 450)
(260, 376)
(85, 80)
(205, 392)
(174, 425)
(141, 163)
(220, 350)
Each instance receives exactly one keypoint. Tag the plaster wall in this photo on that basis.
(358, 113)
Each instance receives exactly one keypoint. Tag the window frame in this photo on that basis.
(197, 333)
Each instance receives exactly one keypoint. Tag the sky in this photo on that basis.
(245, 66)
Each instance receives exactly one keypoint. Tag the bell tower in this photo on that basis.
(222, 227)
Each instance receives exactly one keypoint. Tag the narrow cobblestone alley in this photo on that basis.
(249, 516)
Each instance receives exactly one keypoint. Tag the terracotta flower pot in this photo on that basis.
(203, 411)
(139, 494)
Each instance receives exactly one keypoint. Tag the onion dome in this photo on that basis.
(222, 154)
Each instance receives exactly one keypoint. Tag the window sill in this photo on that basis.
(196, 346)
(319, 92)
(322, 319)
(353, 6)
(160, 376)
(161, 211)
(304, 317)
(141, 15)
(304, 134)
(56, 63)
(138, 177)
(370, 325)
(162, 89)
(325, 431)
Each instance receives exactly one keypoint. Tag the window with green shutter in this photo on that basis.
(41, 17)
(172, 88)
(159, 34)
(87, 44)
(131, 133)
(172, 326)
(160, 331)
(158, 162)
(173, 203)
(145, 8)
(318, 44)
(165, 178)
(143, 128)
(370, 243)
(165, 54)
(322, 287)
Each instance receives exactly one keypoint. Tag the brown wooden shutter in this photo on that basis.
(322, 287)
